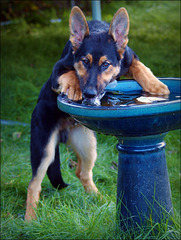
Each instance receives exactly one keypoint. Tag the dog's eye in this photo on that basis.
(85, 61)
(105, 65)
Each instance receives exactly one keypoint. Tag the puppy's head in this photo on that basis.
(97, 55)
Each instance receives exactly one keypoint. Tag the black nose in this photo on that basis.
(90, 92)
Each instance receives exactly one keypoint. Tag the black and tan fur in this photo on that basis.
(95, 55)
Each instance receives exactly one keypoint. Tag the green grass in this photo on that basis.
(28, 55)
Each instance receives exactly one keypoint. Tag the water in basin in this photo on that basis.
(118, 99)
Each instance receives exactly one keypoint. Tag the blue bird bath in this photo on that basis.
(140, 125)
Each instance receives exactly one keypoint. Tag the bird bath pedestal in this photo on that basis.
(143, 188)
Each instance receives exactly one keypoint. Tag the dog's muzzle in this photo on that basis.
(95, 101)
(90, 92)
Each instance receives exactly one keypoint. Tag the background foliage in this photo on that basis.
(30, 46)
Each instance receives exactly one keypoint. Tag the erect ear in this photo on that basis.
(119, 29)
(78, 27)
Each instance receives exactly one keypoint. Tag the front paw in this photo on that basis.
(146, 79)
(68, 83)
(154, 86)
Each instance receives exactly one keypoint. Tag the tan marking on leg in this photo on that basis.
(78, 168)
(33, 195)
(83, 142)
(69, 84)
(34, 187)
(146, 79)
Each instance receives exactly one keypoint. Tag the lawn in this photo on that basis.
(28, 54)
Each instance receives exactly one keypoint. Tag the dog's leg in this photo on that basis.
(34, 187)
(146, 79)
(83, 142)
(78, 168)
(68, 83)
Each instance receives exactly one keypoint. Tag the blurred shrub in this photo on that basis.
(36, 11)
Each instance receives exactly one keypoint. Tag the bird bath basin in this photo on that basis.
(140, 124)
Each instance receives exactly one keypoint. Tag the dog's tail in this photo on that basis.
(54, 172)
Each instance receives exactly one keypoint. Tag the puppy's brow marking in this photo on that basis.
(89, 56)
(102, 60)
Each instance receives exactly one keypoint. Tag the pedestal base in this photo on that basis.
(143, 190)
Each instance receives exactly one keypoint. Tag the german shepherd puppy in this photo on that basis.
(96, 54)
